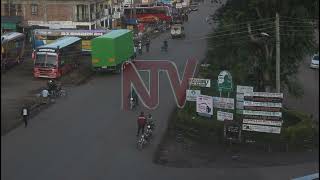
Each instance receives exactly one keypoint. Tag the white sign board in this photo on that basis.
(259, 128)
(262, 104)
(184, 4)
(192, 94)
(223, 103)
(178, 5)
(262, 122)
(244, 89)
(204, 104)
(221, 116)
(264, 94)
(199, 82)
(239, 105)
(240, 97)
(262, 113)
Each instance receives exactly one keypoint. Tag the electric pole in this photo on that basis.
(277, 53)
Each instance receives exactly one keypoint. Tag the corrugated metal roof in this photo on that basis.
(61, 42)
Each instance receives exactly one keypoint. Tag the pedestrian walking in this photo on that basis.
(140, 48)
(141, 123)
(25, 114)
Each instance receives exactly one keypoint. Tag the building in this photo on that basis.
(61, 14)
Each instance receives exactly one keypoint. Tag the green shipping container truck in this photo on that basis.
(109, 51)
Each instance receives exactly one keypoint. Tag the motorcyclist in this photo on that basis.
(140, 47)
(52, 86)
(150, 121)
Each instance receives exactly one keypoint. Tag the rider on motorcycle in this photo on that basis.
(150, 121)
(52, 87)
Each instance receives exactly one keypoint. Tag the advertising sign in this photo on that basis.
(262, 113)
(264, 94)
(225, 81)
(262, 104)
(259, 128)
(262, 122)
(221, 116)
(199, 82)
(274, 118)
(239, 105)
(244, 89)
(223, 103)
(192, 95)
(204, 104)
(261, 108)
(240, 97)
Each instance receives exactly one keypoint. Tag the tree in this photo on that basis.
(239, 43)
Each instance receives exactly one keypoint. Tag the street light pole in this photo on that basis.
(277, 53)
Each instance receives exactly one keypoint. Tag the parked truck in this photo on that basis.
(109, 51)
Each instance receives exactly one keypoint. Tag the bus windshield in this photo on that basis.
(46, 60)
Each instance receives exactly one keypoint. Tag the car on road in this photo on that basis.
(315, 61)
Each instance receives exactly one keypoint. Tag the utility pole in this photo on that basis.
(277, 53)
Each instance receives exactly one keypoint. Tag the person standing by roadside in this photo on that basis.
(141, 123)
(25, 115)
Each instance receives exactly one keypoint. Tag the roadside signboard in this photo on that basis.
(239, 105)
(262, 113)
(260, 128)
(225, 81)
(192, 95)
(223, 103)
(244, 89)
(262, 104)
(200, 82)
(265, 94)
(221, 116)
(204, 104)
(262, 122)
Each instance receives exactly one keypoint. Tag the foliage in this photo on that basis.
(251, 59)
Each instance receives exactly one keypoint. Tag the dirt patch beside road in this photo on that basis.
(19, 87)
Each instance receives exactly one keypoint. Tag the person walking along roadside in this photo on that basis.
(25, 115)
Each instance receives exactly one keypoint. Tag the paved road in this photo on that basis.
(88, 136)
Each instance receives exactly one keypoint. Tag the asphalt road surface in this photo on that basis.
(88, 136)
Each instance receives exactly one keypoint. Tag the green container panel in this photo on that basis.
(116, 45)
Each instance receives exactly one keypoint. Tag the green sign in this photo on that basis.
(12, 26)
(225, 81)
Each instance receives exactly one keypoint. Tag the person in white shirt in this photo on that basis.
(25, 114)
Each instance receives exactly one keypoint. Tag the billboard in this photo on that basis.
(262, 122)
(223, 103)
(199, 82)
(221, 116)
(204, 104)
(262, 113)
(260, 128)
(192, 94)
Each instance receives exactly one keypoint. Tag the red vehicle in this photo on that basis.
(150, 14)
(57, 58)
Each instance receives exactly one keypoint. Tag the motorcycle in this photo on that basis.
(144, 138)
(132, 104)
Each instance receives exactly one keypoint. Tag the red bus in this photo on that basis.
(150, 14)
